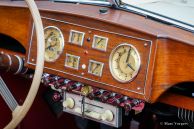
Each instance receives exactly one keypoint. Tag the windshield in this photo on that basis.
(177, 12)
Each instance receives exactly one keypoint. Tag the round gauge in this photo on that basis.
(54, 43)
(124, 62)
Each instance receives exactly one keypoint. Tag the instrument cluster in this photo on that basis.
(124, 61)
(101, 58)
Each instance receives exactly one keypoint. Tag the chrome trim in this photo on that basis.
(93, 43)
(102, 3)
(75, 31)
(128, 36)
(61, 43)
(110, 63)
(25, 71)
(21, 64)
(10, 62)
(7, 95)
(78, 58)
(30, 43)
(101, 70)
(145, 13)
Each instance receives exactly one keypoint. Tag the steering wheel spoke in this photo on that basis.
(7, 96)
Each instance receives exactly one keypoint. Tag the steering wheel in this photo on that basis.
(20, 111)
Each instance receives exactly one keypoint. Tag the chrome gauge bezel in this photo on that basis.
(61, 43)
(110, 63)
(93, 43)
(75, 31)
(97, 62)
(66, 57)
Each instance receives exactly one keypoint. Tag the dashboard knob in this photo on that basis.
(68, 103)
(94, 115)
(107, 115)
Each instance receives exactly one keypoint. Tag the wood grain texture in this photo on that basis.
(174, 46)
(16, 23)
(183, 101)
(174, 64)
(138, 85)
(117, 17)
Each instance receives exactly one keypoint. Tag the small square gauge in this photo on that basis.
(100, 43)
(76, 37)
(95, 68)
(72, 61)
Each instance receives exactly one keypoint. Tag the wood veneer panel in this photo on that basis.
(174, 64)
(116, 17)
(16, 23)
(183, 101)
(138, 88)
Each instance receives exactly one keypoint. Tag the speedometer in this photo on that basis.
(54, 43)
(124, 62)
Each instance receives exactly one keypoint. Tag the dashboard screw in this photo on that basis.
(33, 60)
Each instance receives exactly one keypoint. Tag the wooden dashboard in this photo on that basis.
(139, 87)
(166, 52)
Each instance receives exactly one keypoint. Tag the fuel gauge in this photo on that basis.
(95, 68)
(100, 43)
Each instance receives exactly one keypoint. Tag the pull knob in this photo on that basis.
(68, 103)
(94, 115)
(107, 115)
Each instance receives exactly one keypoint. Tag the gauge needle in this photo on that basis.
(95, 68)
(128, 55)
(51, 46)
(131, 67)
(99, 41)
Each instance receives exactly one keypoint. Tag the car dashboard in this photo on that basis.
(107, 52)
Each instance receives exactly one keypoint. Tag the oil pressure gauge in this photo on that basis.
(54, 43)
(124, 62)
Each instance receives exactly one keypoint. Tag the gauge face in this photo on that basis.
(72, 61)
(124, 63)
(54, 43)
(100, 43)
(76, 37)
(95, 68)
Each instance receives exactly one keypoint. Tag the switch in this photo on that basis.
(107, 115)
(68, 103)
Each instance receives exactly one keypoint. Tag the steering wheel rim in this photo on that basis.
(20, 112)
